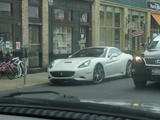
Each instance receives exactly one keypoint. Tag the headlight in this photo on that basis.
(138, 59)
(51, 65)
(85, 64)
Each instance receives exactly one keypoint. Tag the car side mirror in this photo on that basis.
(113, 55)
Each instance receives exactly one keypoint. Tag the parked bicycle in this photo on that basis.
(20, 66)
(13, 68)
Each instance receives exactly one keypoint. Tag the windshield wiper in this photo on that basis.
(61, 96)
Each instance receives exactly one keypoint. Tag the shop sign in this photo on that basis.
(138, 33)
(153, 5)
(18, 45)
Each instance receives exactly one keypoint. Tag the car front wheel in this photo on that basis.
(98, 74)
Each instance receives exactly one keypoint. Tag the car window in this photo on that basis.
(154, 45)
(90, 52)
(112, 51)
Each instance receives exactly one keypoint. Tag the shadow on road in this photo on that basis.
(151, 86)
(82, 83)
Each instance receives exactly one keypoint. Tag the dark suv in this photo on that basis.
(146, 67)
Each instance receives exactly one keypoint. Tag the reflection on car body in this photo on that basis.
(91, 64)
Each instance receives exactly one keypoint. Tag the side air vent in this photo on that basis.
(56, 114)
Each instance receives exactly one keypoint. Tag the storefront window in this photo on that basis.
(110, 26)
(117, 17)
(35, 46)
(84, 17)
(69, 15)
(59, 14)
(5, 9)
(101, 18)
(136, 30)
(62, 40)
(109, 16)
(117, 38)
(6, 38)
(34, 12)
(83, 37)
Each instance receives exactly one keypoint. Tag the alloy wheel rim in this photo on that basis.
(98, 74)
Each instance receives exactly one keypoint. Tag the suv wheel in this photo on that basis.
(129, 69)
(139, 83)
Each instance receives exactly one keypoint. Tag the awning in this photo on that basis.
(156, 17)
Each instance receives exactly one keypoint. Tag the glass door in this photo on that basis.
(35, 54)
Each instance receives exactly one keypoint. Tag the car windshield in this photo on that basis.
(90, 52)
(154, 45)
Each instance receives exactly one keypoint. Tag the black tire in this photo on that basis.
(129, 69)
(139, 82)
(98, 74)
(12, 73)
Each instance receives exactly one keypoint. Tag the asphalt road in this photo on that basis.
(111, 89)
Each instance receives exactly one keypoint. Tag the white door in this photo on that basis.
(113, 64)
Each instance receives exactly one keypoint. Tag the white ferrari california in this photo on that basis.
(91, 64)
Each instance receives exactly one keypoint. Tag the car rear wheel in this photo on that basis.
(98, 74)
(129, 69)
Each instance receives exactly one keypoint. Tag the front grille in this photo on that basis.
(62, 73)
(152, 61)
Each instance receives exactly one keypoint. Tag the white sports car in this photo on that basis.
(91, 64)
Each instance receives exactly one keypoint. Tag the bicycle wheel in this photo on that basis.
(11, 73)
(17, 70)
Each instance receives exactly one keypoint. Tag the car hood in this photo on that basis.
(152, 53)
(144, 106)
(70, 63)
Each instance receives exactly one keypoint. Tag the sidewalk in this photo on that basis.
(31, 79)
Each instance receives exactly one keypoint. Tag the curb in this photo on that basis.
(31, 80)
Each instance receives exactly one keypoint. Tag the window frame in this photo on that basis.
(12, 4)
(105, 28)
(33, 19)
(38, 13)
